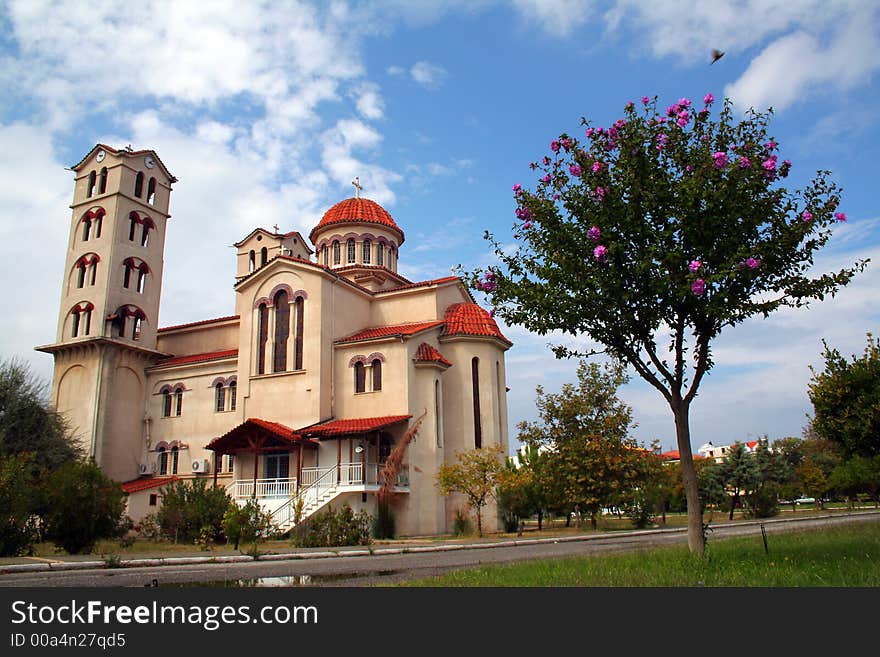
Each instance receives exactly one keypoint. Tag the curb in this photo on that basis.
(294, 556)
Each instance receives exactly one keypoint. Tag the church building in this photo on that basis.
(333, 369)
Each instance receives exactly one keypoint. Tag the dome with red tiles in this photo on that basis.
(355, 211)
(470, 319)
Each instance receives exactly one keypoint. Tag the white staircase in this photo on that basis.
(314, 496)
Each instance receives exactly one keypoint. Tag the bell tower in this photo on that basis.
(109, 311)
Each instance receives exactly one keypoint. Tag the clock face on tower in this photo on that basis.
(149, 162)
(100, 156)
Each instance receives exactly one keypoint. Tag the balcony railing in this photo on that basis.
(264, 487)
(347, 474)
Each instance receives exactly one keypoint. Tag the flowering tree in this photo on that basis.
(653, 235)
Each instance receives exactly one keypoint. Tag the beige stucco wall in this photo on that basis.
(219, 336)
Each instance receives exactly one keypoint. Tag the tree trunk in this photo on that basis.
(594, 522)
(733, 502)
(479, 522)
(540, 519)
(689, 480)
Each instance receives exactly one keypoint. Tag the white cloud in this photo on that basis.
(558, 17)
(428, 75)
(369, 101)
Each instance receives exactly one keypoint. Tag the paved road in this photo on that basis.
(389, 568)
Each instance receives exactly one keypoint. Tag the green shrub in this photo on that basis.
(187, 507)
(247, 524)
(84, 505)
(18, 524)
(763, 502)
(331, 528)
(461, 524)
(383, 523)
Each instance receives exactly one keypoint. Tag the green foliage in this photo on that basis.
(331, 528)
(18, 490)
(84, 505)
(461, 524)
(247, 524)
(26, 422)
(476, 475)
(383, 523)
(846, 400)
(149, 528)
(188, 506)
(858, 474)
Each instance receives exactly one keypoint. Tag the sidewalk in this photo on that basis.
(87, 562)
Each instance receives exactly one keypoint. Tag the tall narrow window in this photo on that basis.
(126, 274)
(178, 401)
(166, 403)
(219, 398)
(380, 254)
(437, 412)
(264, 256)
(475, 382)
(151, 191)
(102, 185)
(93, 270)
(282, 331)
(86, 321)
(230, 463)
(336, 254)
(299, 307)
(136, 326)
(132, 227)
(87, 228)
(326, 253)
(252, 260)
(377, 374)
(175, 453)
(233, 389)
(139, 184)
(75, 327)
(163, 461)
(81, 273)
(262, 337)
(98, 221)
(92, 178)
(391, 257)
(145, 235)
(367, 251)
(360, 377)
(351, 251)
(498, 392)
(142, 280)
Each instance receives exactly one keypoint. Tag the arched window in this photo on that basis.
(352, 252)
(102, 185)
(219, 397)
(299, 307)
(151, 191)
(360, 377)
(233, 389)
(145, 234)
(252, 261)
(175, 452)
(264, 256)
(93, 270)
(81, 273)
(91, 191)
(163, 461)
(166, 403)
(437, 425)
(262, 337)
(178, 401)
(367, 251)
(391, 257)
(99, 219)
(475, 383)
(336, 254)
(326, 254)
(139, 184)
(380, 254)
(136, 326)
(75, 325)
(142, 279)
(126, 273)
(86, 320)
(377, 374)
(282, 331)
(87, 228)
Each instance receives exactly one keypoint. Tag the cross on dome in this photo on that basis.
(357, 186)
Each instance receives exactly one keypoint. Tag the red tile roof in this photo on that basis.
(352, 426)
(397, 330)
(674, 454)
(145, 484)
(199, 323)
(436, 281)
(237, 437)
(353, 210)
(198, 358)
(470, 319)
(428, 354)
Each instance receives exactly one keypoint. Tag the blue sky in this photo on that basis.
(266, 111)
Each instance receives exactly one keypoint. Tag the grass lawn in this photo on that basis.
(840, 556)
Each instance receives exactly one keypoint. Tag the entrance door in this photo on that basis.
(278, 469)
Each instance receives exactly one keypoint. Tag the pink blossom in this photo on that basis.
(662, 140)
(566, 144)
(720, 158)
(546, 179)
(744, 162)
(600, 252)
(806, 215)
(554, 146)
(523, 213)
(575, 170)
(770, 145)
(689, 168)
(695, 265)
(645, 100)
(600, 193)
(594, 234)
(681, 122)
(708, 99)
(753, 263)
(590, 132)
(672, 110)
(770, 163)
(698, 287)
(684, 102)
(629, 105)
(840, 216)
(517, 187)
(597, 166)
(528, 224)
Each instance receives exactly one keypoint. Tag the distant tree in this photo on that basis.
(771, 472)
(650, 481)
(710, 478)
(814, 481)
(18, 507)
(855, 475)
(739, 473)
(846, 399)
(84, 506)
(476, 475)
(791, 453)
(653, 235)
(27, 424)
(519, 489)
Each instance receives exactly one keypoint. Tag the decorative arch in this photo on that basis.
(376, 356)
(278, 288)
(263, 301)
(299, 294)
(220, 380)
(232, 379)
(357, 359)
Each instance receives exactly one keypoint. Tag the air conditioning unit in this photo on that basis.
(200, 465)
(147, 468)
